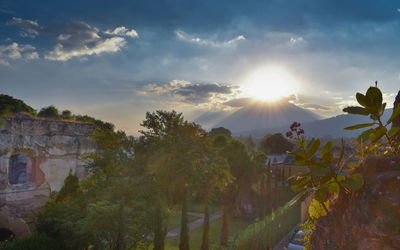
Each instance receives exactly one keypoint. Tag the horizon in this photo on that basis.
(115, 61)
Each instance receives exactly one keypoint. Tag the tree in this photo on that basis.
(114, 212)
(242, 170)
(220, 131)
(214, 174)
(67, 115)
(275, 144)
(170, 147)
(8, 104)
(49, 112)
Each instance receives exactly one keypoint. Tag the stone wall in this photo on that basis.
(368, 219)
(47, 150)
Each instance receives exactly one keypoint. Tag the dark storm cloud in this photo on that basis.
(191, 92)
(29, 28)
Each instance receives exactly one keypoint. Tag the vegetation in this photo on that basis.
(138, 189)
(220, 131)
(275, 144)
(8, 104)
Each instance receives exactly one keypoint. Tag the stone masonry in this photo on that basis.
(35, 157)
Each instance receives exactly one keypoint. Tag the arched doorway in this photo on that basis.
(6, 235)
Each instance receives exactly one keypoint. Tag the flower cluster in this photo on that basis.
(294, 128)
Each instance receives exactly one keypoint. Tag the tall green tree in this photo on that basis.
(49, 112)
(170, 149)
(275, 144)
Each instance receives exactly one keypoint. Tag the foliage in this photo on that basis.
(329, 175)
(220, 131)
(66, 115)
(32, 242)
(372, 105)
(49, 112)
(267, 232)
(171, 149)
(114, 211)
(70, 187)
(8, 104)
(99, 124)
(275, 144)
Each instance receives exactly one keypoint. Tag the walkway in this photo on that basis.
(194, 224)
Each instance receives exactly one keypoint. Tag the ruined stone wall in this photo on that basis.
(369, 218)
(46, 151)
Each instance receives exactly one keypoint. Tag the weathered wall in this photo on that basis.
(53, 148)
(368, 219)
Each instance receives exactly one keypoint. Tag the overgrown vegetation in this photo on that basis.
(137, 186)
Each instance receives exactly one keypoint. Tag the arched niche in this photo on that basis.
(18, 169)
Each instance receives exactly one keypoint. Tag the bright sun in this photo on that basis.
(269, 84)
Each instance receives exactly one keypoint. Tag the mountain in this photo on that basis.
(326, 127)
(260, 115)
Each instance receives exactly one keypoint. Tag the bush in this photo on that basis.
(32, 242)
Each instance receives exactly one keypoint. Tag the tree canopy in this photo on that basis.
(275, 144)
(9, 104)
(220, 131)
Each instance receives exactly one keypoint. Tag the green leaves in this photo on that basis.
(316, 209)
(301, 183)
(314, 146)
(379, 132)
(371, 101)
(396, 113)
(356, 110)
(358, 126)
(393, 131)
(354, 182)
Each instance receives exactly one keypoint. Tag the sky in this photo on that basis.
(115, 60)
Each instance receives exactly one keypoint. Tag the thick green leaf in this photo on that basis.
(358, 126)
(313, 148)
(375, 96)
(300, 184)
(379, 132)
(365, 135)
(356, 110)
(326, 152)
(354, 182)
(396, 113)
(362, 99)
(393, 131)
(316, 210)
(334, 188)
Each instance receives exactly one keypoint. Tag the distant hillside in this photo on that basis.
(265, 115)
(331, 127)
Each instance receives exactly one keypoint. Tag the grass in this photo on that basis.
(175, 220)
(237, 225)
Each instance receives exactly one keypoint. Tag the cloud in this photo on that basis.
(398, 10)
(314, 106)
(296, 40)
(239, 102)
(109, 45)
(80, 39)
(194, 93)
(15, 51)
(122, 31)
(29, 28)
(207, 42)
